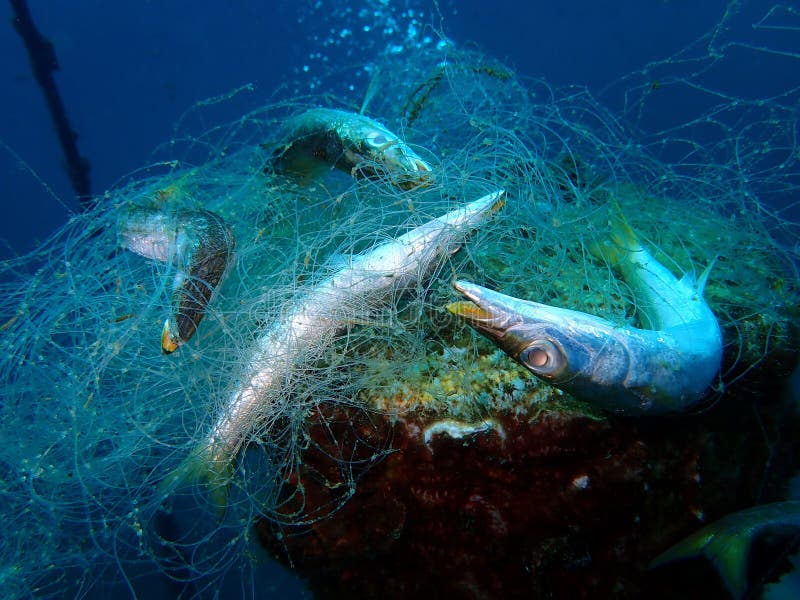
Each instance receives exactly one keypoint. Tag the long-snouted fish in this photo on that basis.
(626, 370)
(311, 323)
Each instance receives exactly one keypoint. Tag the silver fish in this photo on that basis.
(626, 370)
(313, 321)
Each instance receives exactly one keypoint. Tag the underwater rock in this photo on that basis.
(546, 493)
(459, 474)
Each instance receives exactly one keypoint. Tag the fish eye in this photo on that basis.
(376, 140)
(542, 357)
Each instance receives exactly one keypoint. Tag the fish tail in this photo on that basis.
(622, 242)
(727, 551)
(203, 467)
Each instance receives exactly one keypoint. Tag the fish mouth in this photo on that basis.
(169, 340)
(411, 172)
(483, 310)
(505, 320)
(402, 171)
(469, 311)
(412, 179)
(420, 166)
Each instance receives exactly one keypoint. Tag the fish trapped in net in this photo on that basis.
(324, 138)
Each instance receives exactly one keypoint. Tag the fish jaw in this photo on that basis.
(476, 212)
(547, 340)
(442, 236)
(352, 143)
(407, 169)
(492, 314)
(368, 140)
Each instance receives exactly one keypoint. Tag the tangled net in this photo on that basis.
(94, 417)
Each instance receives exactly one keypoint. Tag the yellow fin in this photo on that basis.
(727, 551)
(201, 467)
(621, 243)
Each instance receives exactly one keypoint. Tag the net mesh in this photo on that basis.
(93, 416)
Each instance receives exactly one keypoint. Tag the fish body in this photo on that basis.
(315, 319)
(622, 369)
(199, 243)
(726, 543)
(323, 137)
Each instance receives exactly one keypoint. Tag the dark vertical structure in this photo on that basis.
(44, 63)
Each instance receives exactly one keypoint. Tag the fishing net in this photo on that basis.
(94, 416)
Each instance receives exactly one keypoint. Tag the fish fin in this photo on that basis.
(621, 242)
(726, 549)
(372, 89)
(288, 160)
(701, 282)
(201, 467)
(698, 284)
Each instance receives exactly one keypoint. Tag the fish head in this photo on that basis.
(541, 338)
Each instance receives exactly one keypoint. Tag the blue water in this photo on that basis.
(131, 68)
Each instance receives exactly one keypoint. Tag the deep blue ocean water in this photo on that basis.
(131, 68)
